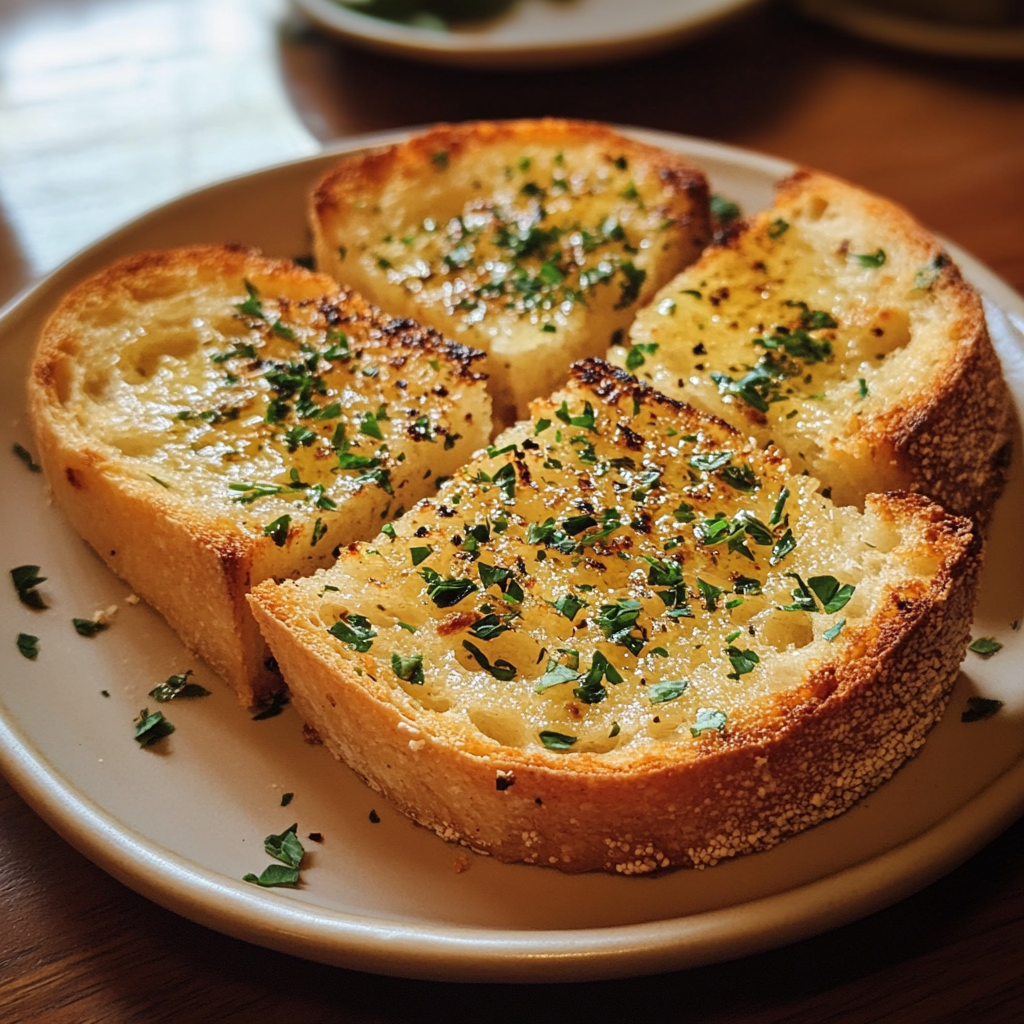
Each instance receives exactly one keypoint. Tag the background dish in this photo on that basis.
(944, 39)
(182, 826)
(535, 33)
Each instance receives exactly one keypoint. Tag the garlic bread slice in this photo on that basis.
(535, 241)
(624, 638)
(838, 327)
(209, 418)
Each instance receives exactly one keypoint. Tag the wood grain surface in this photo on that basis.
(946, 138)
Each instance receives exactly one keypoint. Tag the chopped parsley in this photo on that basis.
(869, 259)
(708, 462)
(666, 690)
(587, 419)
(500, 669)
(319, 529)
(618, 621)
(252, 306)
(420, 554)
(354, 631)
(832, 595)
(446, 592)
(568, 605)
(25, 579)
(709, 593)
(277, 531)
(927, 275)
(26, 456)
(782, 547)
(834, 631)
(979, 708)
(986, 646)
(725, 211)
(590, 690)
(273, 709)
(636, 357)
(28, 645)
(409, 669)
(288, 849)
(556, 740)
(740, 478)
(178, 686)
(708, 718)
(742, 662)
(151, 728)
(89, 627)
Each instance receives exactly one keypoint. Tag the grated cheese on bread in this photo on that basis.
(836, 326)
(208, 418)
(625, 638)
(535, 241)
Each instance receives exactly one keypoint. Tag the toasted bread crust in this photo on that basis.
(360, 209)
(788, 759)
(170, 525)
(933, 414)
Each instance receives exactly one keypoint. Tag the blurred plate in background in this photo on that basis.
(535, 33)
(944, 38)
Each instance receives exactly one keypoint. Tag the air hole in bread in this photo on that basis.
(784, 630)
(141, 359)
(502, 726)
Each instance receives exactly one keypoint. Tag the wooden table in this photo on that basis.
(110, 106)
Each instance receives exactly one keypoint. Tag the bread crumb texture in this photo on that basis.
(209, 418)
(535, 241)
(627, 638)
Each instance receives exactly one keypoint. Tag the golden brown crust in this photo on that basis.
(180, 536)
(950, 437)
(788, 763)
(378, 167)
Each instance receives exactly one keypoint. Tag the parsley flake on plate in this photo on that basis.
(151, 728)
(25, 579)
(986, 646)
(177, 686)
(89, 627)
(286, 848)
(28, 645)
(979, 708)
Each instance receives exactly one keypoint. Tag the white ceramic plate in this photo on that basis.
(182, 823)
(535, 33)
(941, 38)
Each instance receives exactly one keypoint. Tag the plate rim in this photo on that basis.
(480, 49)
(468, 953)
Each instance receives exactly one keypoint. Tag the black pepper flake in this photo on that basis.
(537, 800)
(699, 349)
(317, 837)
(445, 512)
(374, 818)
(422, 531)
